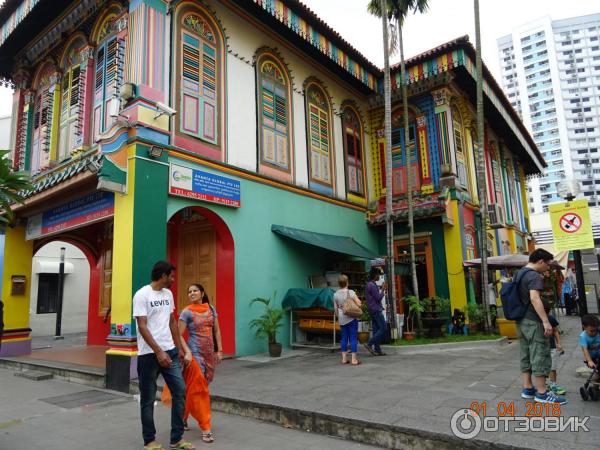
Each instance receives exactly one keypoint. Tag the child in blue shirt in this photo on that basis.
(589, 340)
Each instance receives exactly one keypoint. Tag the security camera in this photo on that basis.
(114, 107)
(161, 108)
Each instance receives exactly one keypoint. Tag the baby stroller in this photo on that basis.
(591, 389)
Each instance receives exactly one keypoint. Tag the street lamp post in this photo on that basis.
(59, 300)
(568, 189)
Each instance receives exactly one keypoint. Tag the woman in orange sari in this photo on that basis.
(200, 320)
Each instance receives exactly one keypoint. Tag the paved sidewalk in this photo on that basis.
(29, 422)
(412, 392)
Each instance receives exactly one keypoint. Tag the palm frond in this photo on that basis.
(11, 183)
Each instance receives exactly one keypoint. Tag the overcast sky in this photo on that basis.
(445, 20)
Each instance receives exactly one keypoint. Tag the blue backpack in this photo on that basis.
(512, 305)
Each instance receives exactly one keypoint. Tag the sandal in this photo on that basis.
(208, 437)
(182, 445)
(186, 426)
(345, 362)
(355, 363)
(155, 446)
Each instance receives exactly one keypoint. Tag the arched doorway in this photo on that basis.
(92, 294)
(201, 247)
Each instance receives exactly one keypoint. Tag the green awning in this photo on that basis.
(308, 298)
(340, 244)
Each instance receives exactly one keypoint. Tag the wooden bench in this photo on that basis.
(316, 320)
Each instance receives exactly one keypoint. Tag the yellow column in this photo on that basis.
(18, 254)
(123, 249)
(121, 300)
(454, 261)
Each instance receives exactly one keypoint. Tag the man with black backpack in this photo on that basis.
(533, 327)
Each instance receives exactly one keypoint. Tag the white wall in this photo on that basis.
(241, 107)
(76, 288)
(5, 132)
(243, 40)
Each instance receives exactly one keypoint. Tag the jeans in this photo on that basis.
(350, 333)
(148, 370)
(379, 329)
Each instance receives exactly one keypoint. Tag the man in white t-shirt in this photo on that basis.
(159, 352)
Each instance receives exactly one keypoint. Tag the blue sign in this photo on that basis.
(76, 213)
(192, 183)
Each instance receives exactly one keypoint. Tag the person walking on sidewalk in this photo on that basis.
(159, 352)
(203, 351)
(534, 330)
(373, 295)
(348, 325)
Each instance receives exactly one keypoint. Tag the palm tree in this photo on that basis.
(11, 183)
(396, 12)
(481, 175)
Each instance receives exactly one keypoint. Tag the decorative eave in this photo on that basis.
(425, 205)
(298, 23)
(22, 26)
(63, 172)
(460, 54)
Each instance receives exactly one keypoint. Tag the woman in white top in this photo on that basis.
(349, 325)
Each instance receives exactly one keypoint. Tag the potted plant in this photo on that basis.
(476, 317)
(268, 324)
(363, 325)
(415, 304)
(436, 314)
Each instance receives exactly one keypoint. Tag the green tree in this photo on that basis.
(396, 12)
(11, 183)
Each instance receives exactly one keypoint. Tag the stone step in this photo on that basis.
(34, 375)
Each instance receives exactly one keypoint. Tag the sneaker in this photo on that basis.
(528, 393)
(556, 389)
(550, 397)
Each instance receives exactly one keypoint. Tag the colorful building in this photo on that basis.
(187, 129)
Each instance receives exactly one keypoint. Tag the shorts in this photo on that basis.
(534, 348)
(555, 355)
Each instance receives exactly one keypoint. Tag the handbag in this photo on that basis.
(351, 309)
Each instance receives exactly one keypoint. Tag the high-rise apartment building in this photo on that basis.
(551, 75)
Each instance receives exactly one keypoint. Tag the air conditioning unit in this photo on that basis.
(495, 216)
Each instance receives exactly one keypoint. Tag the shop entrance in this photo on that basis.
(201, 247)
(424, 267)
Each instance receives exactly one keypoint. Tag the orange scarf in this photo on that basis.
(198, 308)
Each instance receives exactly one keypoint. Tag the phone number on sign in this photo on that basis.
(508, 409)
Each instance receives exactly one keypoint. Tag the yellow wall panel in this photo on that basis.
(122, 249)
(454, 261)
(18, 254)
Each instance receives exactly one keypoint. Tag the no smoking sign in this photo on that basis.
(570, 222)
(571, 225)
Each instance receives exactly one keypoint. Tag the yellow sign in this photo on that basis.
(571, 225)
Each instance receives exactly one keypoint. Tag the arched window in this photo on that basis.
(109, 67)
(43, 104)
(353, 152)
(71, 100)
(399, 153)
(459, 146)
(320, 140)
(274, 113)
(199, 78)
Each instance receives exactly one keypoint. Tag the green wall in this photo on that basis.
(436, 228)
(266, 262)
